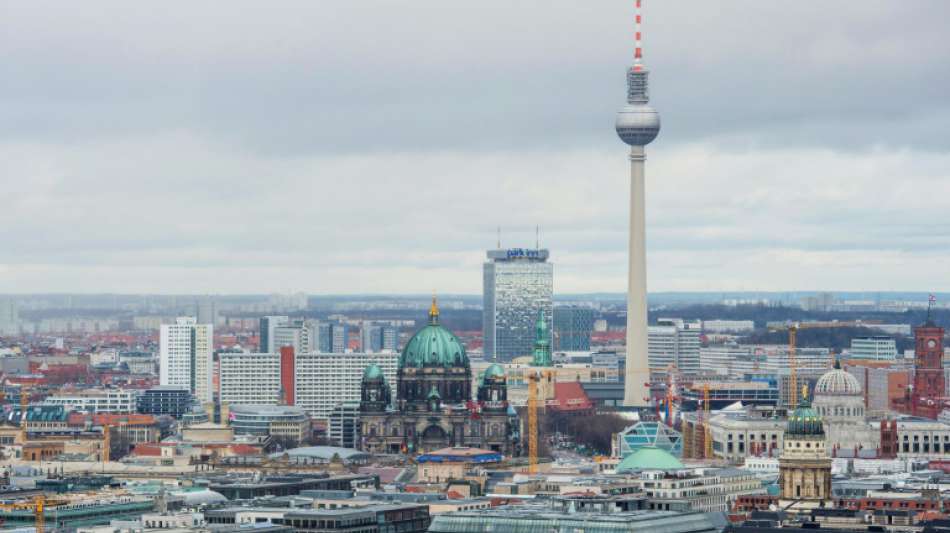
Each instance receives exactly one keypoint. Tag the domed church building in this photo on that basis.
(433, 406)
(804, 466)
(839, 399)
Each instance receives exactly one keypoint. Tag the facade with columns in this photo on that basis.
(804, 465)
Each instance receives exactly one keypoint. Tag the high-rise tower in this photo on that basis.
(637, 125)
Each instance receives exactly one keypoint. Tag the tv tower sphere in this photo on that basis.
(637, 123)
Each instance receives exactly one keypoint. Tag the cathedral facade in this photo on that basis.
(433, 406)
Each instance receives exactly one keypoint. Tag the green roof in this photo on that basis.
(494, 371)
(804, 421)
(433, 346)
(649, 458)
(373, 372)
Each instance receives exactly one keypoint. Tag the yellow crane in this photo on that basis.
(533, 413)
(38, 506)
(792, 329)
(707, 437)
(533, 422)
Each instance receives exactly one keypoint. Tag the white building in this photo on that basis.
(116, 401)
(185, 356)
(268, 324)
(321, 380)
(343, 428)
(250, 378)
(728, 326)
(876, 348)
(674, 342)
(299, 334)
(108, 356)
(9, 317)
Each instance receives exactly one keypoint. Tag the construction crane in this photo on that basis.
(707, 436)
(671, 372)
(38, 506)
(534, 400)
(533, 422)
(792, 329)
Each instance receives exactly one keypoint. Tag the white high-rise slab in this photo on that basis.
(185, 356)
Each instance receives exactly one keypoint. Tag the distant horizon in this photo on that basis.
(620, 295)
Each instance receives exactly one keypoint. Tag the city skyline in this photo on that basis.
(179, 162)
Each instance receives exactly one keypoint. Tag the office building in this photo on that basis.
(517, 519)
(884, 384)
(332, 337)
(250, 378)
(206, 309)
(9, 317)
(316, 382)
(287, 424)
(268, 324)
(299, 333)
(378, 337)
(572, 328)
(343, 428)
(166, 400)
(728, 326)
(517, 285)
(674, 342)
(116, 401)
(185, 356)
(874, 348)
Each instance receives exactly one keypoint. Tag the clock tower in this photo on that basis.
(929, 381)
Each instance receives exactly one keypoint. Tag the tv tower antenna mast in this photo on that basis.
(637, 125)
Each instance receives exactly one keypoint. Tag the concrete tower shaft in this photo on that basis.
(637, 125)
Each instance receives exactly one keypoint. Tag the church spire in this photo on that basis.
(542, 342)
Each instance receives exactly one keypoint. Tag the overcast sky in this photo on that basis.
(371, 146)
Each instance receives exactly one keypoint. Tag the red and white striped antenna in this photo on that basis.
(638, 53)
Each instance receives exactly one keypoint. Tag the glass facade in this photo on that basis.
(517, 285)
(649, 434)
(572, 328)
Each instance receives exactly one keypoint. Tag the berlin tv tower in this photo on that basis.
(637, 125)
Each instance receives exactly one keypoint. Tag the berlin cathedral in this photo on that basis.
(433, 407)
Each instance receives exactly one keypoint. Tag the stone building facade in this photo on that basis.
(804, 466)
(433, 406)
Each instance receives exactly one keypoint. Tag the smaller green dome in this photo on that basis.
(804, 421)
(494, 371)
(373, 372)
(649, 458)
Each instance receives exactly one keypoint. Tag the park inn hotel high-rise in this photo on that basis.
(518, 284)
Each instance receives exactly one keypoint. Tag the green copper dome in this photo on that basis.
(804, 421)
(373, 372)
(494, 371)
(433, 346)
(649, 458)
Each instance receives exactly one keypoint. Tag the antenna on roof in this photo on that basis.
(537, 237)
(499, 237)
